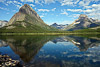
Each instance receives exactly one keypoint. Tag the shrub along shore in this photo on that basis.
(67, 33)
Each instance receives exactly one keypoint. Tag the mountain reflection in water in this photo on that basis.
(52, 51)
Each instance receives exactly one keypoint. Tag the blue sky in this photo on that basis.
(53, 11)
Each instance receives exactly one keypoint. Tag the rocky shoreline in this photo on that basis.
(6, 61)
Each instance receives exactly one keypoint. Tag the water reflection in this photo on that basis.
(53, 51)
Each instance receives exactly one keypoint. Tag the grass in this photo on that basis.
(37, 30)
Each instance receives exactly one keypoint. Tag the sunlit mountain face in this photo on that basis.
(53, 11)
(53, 51)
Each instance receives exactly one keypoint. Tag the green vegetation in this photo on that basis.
(22, 31)
(29, 29)
(89, 30)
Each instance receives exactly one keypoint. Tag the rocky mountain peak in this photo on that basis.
(59, 26)
(3, 23)
(27, 18)
(27, 10)
(83, 22)
(25, 7)
(55, 24)
(83, 15)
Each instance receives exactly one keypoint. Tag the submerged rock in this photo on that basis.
(6, 61)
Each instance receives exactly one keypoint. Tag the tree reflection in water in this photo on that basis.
(54, 51)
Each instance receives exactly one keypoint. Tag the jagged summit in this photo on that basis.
(27, 18)
(82, 22)
(28, 10)
(82, 15)
(59, 26)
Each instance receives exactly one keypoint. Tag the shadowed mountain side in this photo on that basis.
(26, 20)
(26, 47)
(83, 22)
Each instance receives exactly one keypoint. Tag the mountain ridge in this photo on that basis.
(59, 26)
(3, 23)
(82, 22)
(27, 19)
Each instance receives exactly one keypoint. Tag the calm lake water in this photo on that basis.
(52, 51)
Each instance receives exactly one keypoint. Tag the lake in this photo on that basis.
(52, 51)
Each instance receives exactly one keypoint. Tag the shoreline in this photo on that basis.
(88, 33)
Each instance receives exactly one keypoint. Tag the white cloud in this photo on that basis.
(41, 16)
(49, 1)
(27, 0)
(96, 5)
(63, 2)
(35, 8)
(18, 6)
(2, 0)
(4, 8)
(80, 10)
(30, 0)
(14, 11)
(89, 10)
(66, 22)
(7, 13)
(53, 9)
(75, 10)
(65, 13)
(84, 3)
(9, 2)
(43, 10)
(69, 2)
(75, 15)
(92, 11)
(32, 5)
(66, 3)
(16, 3)
(60, 22)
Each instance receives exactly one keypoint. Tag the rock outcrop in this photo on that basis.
(59, 26)
(3, 23)
(27, 18)
(83, 22)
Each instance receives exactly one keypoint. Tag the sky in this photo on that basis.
(53, 11)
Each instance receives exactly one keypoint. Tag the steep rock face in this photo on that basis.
(82, 22)
(3, 23)
(59, 26)
(26, 17)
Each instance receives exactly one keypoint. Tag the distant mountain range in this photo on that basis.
(59, 26)
(27, 19)
(3, 23)
(83, 22)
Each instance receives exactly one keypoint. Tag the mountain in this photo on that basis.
(3, 23)
(83, 22)
(59, 26)
(27, 19)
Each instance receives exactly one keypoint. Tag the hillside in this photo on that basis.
(89, 30)
(82, 22)
(26, 20)
(3, 23)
